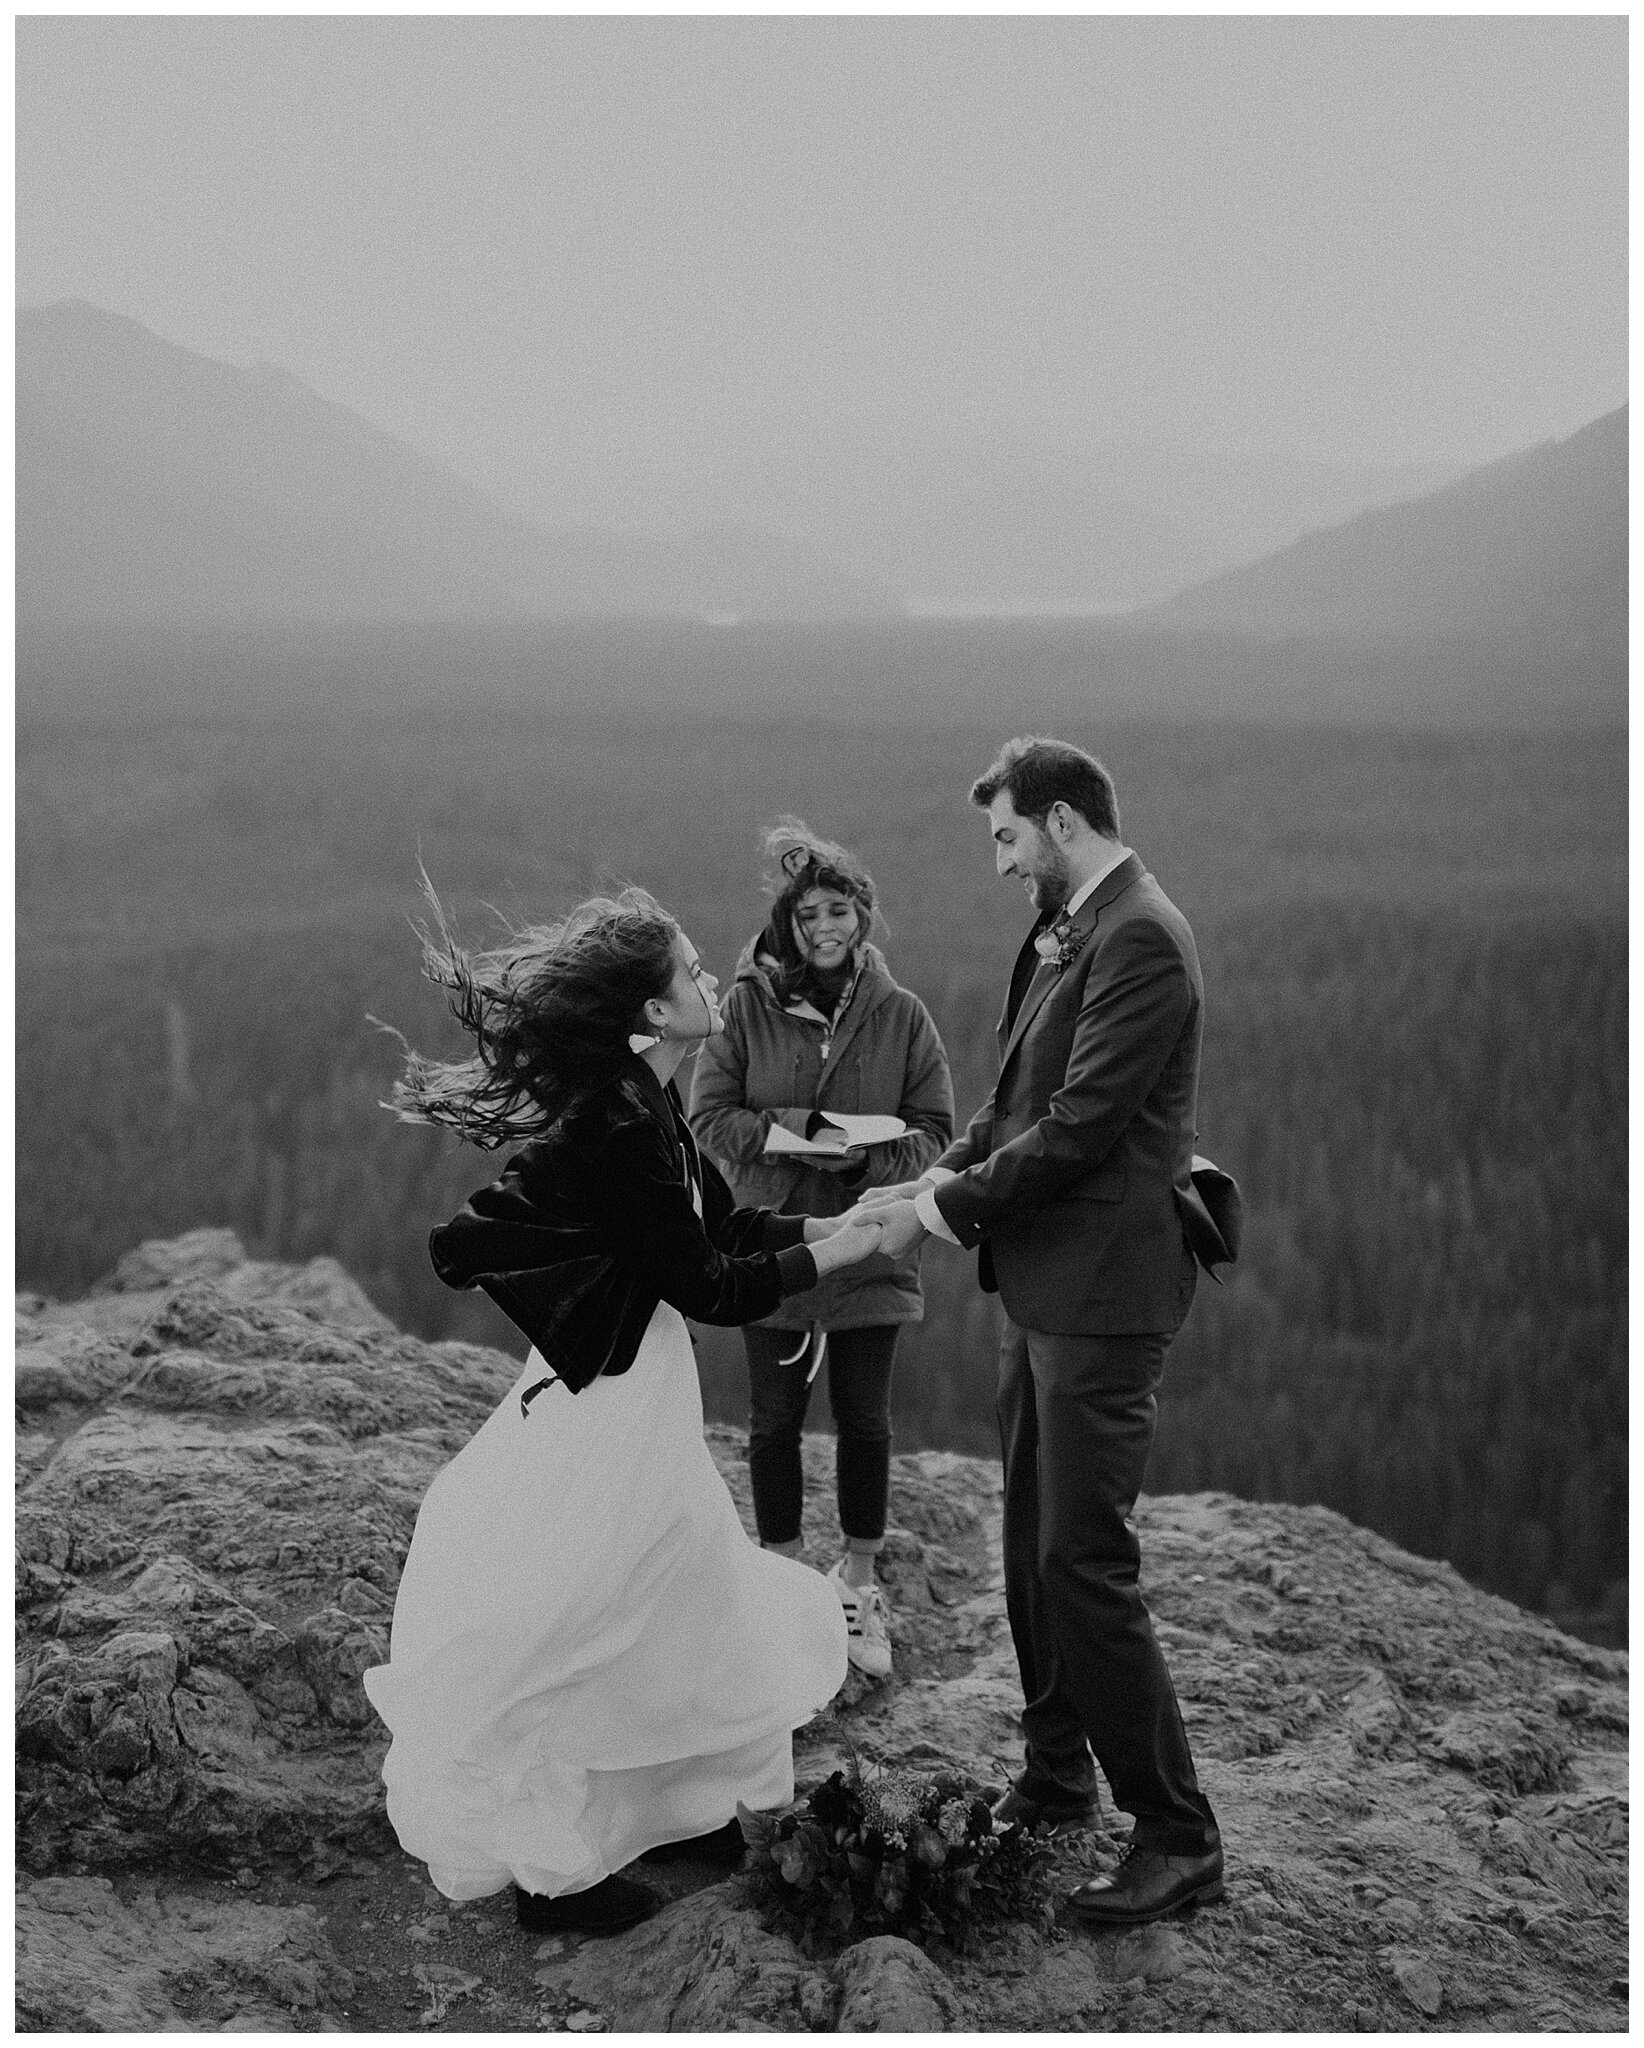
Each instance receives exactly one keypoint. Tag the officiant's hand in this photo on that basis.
(842, 1162)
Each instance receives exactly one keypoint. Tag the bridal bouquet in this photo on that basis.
(881, 1851)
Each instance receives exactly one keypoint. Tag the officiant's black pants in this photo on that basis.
(1076, 1420)
(859, 1384)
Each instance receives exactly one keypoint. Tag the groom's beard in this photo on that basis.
(1052, 883)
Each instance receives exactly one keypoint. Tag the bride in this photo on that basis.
(590, 1659)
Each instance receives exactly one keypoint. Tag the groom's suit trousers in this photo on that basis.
(1076, 1421)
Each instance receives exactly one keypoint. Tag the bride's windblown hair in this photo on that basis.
(549, 1011)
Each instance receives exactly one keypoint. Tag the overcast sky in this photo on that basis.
(581, 259)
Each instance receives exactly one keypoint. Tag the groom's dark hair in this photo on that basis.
(1036, 773)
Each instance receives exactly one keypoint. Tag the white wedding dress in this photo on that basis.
(590, 1656)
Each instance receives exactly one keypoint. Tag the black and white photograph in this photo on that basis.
(820, 1016)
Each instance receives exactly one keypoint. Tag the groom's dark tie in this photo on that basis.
(1030, 963)
(1021, 975)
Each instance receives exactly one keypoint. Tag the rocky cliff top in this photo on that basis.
(1423, 1790)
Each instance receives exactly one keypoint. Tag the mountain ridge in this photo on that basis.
(1017, 521)
(115, 420)
(160, 490)
(1533, 543)
(156, 483)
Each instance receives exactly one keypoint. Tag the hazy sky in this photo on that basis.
(582, 259)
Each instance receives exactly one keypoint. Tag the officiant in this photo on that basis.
(815, 1022)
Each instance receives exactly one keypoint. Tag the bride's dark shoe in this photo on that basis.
(604, 1908)
(724, 1845)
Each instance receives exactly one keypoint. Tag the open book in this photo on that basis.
(830, 1134)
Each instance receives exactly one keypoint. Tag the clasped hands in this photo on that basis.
(892, 1209)
(884, 1220)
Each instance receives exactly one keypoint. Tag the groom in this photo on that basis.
(1067, 1180)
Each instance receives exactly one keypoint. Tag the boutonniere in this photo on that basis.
(1059, 945)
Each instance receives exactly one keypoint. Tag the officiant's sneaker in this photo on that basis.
(866, 1615)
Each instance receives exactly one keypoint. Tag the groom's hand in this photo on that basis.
(902, 1191)
(901, 1228)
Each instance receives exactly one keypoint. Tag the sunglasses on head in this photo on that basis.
(801, 863)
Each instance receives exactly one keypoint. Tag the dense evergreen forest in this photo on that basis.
(1415, 960)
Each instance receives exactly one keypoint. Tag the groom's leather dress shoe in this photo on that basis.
(1017, 1810)
(1148, 1885)
(604, 1908)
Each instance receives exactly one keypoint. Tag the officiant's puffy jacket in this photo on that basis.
(884, 1058)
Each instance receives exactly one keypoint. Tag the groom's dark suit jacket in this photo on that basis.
(1069, 1174)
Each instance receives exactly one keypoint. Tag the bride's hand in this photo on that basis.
(856, 1238)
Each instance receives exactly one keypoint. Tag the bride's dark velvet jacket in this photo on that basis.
(593, 1224)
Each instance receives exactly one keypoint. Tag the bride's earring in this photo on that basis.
(642, 1041)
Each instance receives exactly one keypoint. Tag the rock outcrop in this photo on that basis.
(1423, 1790)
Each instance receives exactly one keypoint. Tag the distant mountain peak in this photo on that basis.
(1533, 544)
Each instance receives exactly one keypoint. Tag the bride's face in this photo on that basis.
(690, 1009)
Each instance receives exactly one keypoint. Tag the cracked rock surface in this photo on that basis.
(1422, 1789)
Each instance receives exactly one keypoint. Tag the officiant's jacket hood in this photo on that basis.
(881, 1056)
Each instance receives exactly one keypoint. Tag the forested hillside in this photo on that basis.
(1415, 960)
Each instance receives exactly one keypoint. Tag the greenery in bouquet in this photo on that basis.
(877, 1850)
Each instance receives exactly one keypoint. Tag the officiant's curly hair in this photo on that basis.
(1037, 773)
(549, 1011)
(803, 860)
